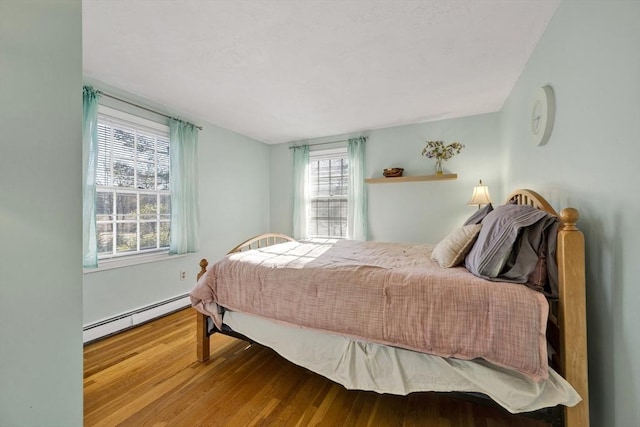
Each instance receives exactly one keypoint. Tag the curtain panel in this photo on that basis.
(185, 209)
(90, 98)
(357, 217)
(300, 191)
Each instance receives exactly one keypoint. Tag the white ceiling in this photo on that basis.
(281, 70)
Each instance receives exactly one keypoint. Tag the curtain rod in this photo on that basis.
(319, 143)
(139, 106)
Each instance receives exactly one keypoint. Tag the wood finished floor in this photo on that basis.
(149, 376)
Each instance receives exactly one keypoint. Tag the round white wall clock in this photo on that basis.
(543, 110)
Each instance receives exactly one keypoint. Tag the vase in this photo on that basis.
(439, 170)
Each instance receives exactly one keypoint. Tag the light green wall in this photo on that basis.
(281, 191)
(413, 211)
(234, 205)
(40, 209)
(234, 191)
(590, 55)
(425, 212)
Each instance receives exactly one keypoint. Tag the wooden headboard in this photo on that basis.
(567, 331)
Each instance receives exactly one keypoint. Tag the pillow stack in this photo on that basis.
(513, 243)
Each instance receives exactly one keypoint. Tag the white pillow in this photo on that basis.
(452, 249)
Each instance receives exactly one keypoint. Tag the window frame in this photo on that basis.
(140, 256)
(328, 154)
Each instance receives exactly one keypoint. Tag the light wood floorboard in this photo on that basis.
(149, 376)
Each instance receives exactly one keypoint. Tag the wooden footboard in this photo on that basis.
(260, 241)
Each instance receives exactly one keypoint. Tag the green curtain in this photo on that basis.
(358, 216)
(185, 215)
(300, 191)
(90, 98)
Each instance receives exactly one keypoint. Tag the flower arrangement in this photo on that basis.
(437, 150)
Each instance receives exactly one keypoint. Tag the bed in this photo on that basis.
(535, 345)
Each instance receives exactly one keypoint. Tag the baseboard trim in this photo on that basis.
(112, 325)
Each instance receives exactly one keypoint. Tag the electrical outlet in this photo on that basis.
(183, 275)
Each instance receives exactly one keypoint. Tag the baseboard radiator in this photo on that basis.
(133, 318)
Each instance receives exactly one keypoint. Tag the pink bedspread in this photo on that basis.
(389, 293)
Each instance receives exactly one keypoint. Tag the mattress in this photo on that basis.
(387, 293)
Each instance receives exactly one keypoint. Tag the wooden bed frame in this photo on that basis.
(567, 326)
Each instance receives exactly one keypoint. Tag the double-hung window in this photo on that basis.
(133, 200)
(328, 194)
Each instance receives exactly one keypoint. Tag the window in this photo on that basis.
(133, 199)
(328, 194)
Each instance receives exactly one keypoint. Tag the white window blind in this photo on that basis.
(133, 201)
(328, 191)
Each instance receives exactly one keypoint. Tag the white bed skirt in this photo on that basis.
(365, 366)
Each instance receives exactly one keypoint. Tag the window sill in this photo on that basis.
(322, 240)
(128, 261)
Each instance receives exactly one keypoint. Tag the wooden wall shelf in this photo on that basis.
(443, 177)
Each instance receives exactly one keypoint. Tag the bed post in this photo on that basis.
(572, 314)
(202, 336)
